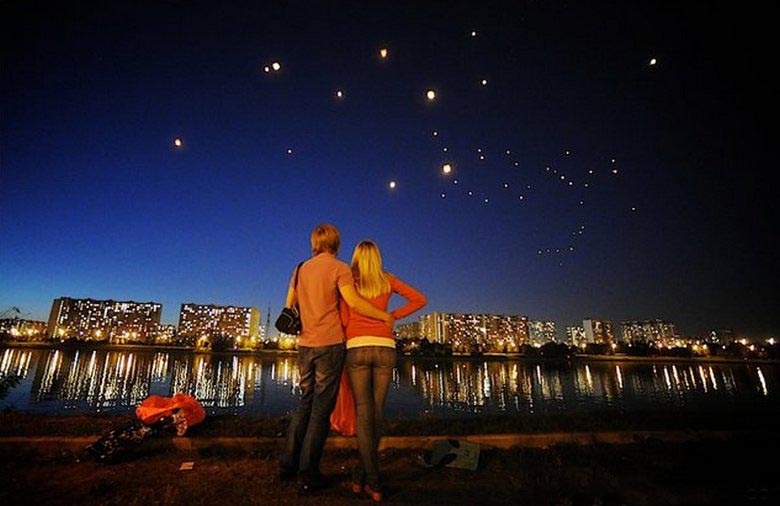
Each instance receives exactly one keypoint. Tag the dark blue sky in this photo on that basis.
(96, 202)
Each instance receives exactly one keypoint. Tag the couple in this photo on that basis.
(364, 345)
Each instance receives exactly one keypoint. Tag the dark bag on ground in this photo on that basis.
(289, 322)
(156, 415)
(119, 443)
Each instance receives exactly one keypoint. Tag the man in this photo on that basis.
(321, 350)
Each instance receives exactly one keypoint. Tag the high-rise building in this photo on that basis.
(207, 322)
(19, 329)
(722, 337)
(575, 336)
(647, 331)
(104, 320)
(408, 331)
(541, 332)
(475, 332)
(598, 331)
(166, 334)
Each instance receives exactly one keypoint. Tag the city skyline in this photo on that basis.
(554, 160)
(562, 331)
(102, 319)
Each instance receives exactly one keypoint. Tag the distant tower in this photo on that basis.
(267, 323)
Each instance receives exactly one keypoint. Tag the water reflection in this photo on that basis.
(89, 381)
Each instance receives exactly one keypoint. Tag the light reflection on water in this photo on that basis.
(55, 381)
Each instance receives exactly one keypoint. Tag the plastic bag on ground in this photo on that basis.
(156, 407)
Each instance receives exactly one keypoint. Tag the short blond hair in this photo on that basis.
(325, 237)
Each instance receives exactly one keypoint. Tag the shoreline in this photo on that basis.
(486, 357)
(28, 424)
(503, 441)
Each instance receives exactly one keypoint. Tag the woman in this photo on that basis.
(371, 357)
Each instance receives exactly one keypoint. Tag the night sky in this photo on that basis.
(97, 201)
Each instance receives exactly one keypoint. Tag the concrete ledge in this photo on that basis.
(501, 441)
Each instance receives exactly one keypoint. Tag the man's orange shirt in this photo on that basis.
(319, 280)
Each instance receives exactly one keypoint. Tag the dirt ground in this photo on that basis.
(650, 472)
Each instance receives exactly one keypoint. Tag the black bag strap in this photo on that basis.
(295, 283)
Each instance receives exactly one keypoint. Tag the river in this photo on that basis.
(57, 381)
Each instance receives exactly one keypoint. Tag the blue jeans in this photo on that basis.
(320, 375)
(370, 369)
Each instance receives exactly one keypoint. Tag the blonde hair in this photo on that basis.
(370, 279)
(325, 237)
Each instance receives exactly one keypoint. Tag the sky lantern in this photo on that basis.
(392, 185)
(383, 53)
(178, 142)
(446, 168)
(276, 66)
(430, 95)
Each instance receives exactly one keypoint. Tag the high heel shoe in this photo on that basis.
(357, 481)
(375, 495)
